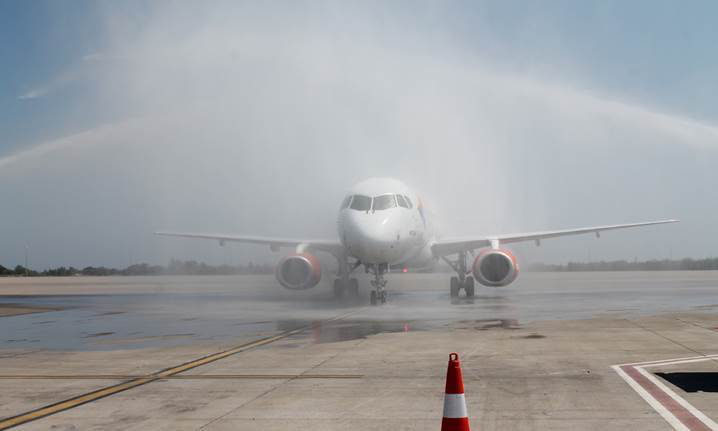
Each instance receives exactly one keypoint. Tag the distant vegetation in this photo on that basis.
(178, 267)
(686, 264)
(175, 267)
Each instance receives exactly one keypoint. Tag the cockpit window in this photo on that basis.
(408, 201)
(347, 201)
(384, 202)
(401, 201)
(361, 203)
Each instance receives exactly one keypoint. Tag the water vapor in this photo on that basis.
(244, 118)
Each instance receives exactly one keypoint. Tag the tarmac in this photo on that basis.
(558, 351)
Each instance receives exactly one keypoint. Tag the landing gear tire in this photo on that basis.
(338, 288)
(377, 297)
(454, 287)
(469, 287)
(354, 287)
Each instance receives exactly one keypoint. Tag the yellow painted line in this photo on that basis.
(68, 404)
(185, 377)
(167, 372)
(68, 377)
(268, 376)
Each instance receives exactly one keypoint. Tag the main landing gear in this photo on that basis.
(378, 295)
(343, 284)
(463, 280)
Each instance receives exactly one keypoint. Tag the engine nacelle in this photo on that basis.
(299, 271)
(495, 267)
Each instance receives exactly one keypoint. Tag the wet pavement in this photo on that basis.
(243, 353)
(137, 312)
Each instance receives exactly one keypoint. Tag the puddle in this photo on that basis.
(260, 322)
(98, 334)
(13, 309)
(138, 340)
(486, 324)
(108, 322)
(705, 307)
(346, 330)
(483, 325)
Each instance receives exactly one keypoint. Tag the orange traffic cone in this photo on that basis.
(455, 415)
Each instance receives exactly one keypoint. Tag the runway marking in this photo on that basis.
(678, 412)
(671, 361)
(160, 375)
(185, 377)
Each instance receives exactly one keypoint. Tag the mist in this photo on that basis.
(256, 118)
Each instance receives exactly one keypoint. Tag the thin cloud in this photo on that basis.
(34, 93)
(76, 71)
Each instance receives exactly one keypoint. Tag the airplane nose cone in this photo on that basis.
(373, 237)
(381, 242)
(380, 230)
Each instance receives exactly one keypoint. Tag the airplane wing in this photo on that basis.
(330, 246)
(455, 245)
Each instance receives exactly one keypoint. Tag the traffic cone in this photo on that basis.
(455, 415)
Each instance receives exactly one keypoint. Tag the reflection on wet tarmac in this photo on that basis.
(345, 330)
(136, 313)
(98, 334)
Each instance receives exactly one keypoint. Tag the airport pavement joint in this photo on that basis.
(166, 373)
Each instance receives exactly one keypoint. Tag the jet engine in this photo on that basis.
(299, 271)
(495, 267)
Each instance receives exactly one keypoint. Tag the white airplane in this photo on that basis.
(383, 223)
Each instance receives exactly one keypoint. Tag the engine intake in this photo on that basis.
(299, 271)
(495, 267)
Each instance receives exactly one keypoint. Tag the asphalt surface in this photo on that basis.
(243, 353)
(135, 312)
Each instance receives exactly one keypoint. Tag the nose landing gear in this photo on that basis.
(377, 297)
(345, 285)
(462, 280)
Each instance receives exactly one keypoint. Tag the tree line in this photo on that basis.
(686, 264)
(191, 267)
(175, 267)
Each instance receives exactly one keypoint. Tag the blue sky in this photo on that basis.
(40, 40)
(155, 115)
(660, 52)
